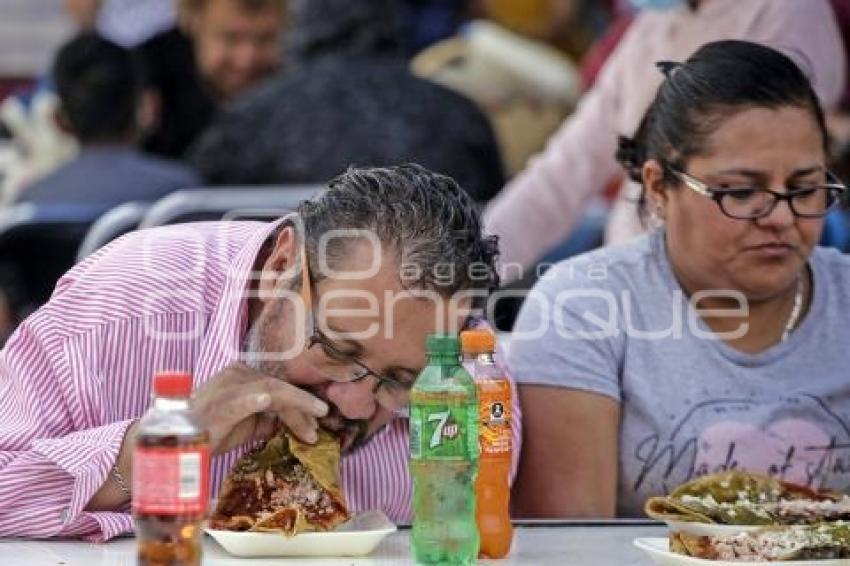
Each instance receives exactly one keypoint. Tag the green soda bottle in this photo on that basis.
(444, 457)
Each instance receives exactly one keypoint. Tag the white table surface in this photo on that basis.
(577, 544)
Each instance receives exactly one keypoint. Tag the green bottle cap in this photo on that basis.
(442, 344)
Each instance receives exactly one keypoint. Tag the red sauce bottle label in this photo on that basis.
(171, 480)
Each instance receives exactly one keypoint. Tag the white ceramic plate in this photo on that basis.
(709, 529)
(658, 550)
(357, 537)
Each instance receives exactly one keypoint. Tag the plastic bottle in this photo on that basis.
(492, 487)
(444, 457)
(170, 477)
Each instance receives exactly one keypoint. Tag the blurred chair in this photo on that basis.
(37, 245)
(117, 222)
(228, 203)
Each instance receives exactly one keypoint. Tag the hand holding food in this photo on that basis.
(240, 404)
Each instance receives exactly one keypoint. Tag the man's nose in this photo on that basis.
(355, 400)
(245, 55)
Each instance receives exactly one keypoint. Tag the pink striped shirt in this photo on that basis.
(79, 371)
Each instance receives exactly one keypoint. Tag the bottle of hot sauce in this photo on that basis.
(170, 477)
(492, 488)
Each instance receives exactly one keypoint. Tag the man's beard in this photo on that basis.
(353, 433)
(255, 353)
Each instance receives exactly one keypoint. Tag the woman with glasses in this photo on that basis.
(717, 341)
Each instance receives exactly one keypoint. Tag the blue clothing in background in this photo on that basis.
(428, 21)
(108, 177)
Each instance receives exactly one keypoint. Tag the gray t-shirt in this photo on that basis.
(691, 404)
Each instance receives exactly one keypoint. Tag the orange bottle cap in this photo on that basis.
(172, 384)
(477, 341)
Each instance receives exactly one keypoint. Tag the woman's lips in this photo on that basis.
(772, 250)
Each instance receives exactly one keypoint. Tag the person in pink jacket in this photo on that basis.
(544, 203)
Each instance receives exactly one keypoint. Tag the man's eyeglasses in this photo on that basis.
(751, 203)
(390, 392)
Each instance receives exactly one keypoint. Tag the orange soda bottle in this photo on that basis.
(492, 487)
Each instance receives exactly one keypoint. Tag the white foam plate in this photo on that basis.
(658, 549)
(358, 537)
(709, 529)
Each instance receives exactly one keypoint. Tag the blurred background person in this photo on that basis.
(518, 60)
(38, 145)
(106, 106)
(622, 13)
(236, 42)
(348, 98)
(838, 120)
(218, 50)
(543, 205)
(525, 87)
(30, 144)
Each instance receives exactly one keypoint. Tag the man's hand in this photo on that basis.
(240, 404)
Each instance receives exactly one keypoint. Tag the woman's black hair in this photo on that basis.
(720, 79)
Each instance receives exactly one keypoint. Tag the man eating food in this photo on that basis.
(317, 320)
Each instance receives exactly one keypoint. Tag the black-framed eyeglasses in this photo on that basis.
(390, 392)
(752, 203)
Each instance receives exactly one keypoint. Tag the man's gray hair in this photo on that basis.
(425, 219)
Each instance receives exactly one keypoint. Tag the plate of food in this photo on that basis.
(285, 499)
(735, 517)
(356, 537)
(826, 544)
(735, 502)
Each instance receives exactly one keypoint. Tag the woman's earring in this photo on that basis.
(656, 217)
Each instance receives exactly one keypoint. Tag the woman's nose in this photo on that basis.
(781, 215)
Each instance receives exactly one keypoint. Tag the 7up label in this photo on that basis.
(443, 432)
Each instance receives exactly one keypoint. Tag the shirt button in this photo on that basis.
(63, 515)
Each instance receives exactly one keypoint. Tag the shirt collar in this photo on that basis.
(229, 320)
